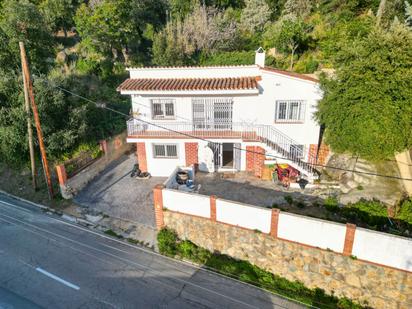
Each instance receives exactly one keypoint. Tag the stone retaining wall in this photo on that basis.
(380, 287)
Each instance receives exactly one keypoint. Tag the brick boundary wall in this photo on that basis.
(380, 286)
(158, 205)
(274, 222)
(141, 156)
(336, 272)
(349, 239)
(349, 231)
(213, 207)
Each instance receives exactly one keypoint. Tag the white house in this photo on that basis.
(222, 117)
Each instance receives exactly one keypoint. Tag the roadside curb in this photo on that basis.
(72, 219)
(60, 213)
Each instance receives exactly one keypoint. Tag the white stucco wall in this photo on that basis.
(250, 108)
(164, 166)
(313, 232)
(372, 246)
(243, 215)
(188, 203)
(383, 249)
(195, 72)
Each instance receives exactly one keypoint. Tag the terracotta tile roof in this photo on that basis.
(292, 74)
(176, 84)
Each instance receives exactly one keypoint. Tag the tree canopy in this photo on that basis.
(367, 107)
(102, 37)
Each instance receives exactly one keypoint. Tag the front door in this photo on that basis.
(212, 113)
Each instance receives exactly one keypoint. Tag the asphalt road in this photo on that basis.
(50, 263)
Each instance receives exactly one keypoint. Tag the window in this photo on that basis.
(164, 150)
(290, 111)
(163, 108)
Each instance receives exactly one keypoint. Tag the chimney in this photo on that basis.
(260, 57)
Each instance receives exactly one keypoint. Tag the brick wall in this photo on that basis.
(141, 156)
(255, 160)
(191, 150)
(322, 154)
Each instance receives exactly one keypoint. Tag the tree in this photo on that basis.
(179, 9)
(298, 8)
(22, 21)
(254, 16)
(205, 30)
(387, 11)
(408, 14)
(367, 108)
(58, 14)
(114, 26)
(287, 35)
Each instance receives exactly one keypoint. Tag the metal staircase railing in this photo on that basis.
(275, 139)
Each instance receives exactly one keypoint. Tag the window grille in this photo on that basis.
(165, 150)
(163, 108)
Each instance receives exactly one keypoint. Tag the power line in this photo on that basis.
(221, 144)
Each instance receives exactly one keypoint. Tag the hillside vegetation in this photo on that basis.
(84, 46)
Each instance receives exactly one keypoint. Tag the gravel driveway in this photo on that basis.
(118, 195)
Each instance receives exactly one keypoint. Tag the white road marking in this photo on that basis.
(50, 275)
(149, 269)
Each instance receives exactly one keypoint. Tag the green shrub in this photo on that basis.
(405, 212)
(186, 249)
(300, 204)
(170, 245)
(288, 199)
(112, 233)
(372, 213)
(167, 242)
(331, 204)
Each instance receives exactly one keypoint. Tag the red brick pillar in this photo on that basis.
(191, 150)
(260, 155)
(274, 222)
(158, 205)
(61, 174)
(141, 156)
(313, 149)
(323, 154)
(349, 239)
(250, 158)
(213, 207)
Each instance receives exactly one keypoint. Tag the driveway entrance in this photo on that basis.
(116, 194)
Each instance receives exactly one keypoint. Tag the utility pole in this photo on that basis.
(28, 115)
(36, 119)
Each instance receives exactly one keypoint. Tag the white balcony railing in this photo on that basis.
(267, 134)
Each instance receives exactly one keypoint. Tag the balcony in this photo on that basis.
(273, 138)
(205, 130)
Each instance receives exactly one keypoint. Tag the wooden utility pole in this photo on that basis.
(36, 119)
(29, 128)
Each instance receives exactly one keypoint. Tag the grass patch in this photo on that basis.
(112, 233)
(373, 214)
(171, 245)
(132, 241)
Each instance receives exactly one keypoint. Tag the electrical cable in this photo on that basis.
(221, 144)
